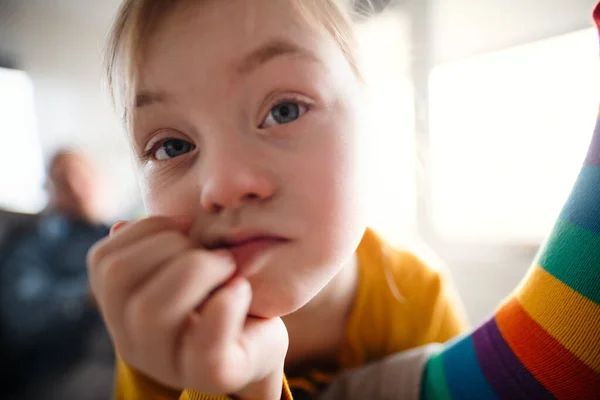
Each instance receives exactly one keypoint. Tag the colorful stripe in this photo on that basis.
(435, 386)
(563, 374)
(460, 359)
(559, 313)
(583, 206)
(572, 255)
(504, 371)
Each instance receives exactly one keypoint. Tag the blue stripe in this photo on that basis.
(463, 373)
(571, 254)
(583, 206)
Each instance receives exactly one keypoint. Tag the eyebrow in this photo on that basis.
(271, 50)
(146, 98)
(262, 55)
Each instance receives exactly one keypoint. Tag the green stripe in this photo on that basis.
(434, 386)
(572, 255)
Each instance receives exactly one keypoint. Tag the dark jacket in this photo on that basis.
(45, 312)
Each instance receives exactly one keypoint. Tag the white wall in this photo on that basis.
(63, 55)
(463, 28)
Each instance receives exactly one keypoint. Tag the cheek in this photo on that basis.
(330, 189)
(341, 189)
(169, 197)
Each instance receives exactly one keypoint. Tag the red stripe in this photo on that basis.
(563, 374)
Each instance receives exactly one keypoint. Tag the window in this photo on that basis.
(509, 131)
(21, 163)
(388, 142)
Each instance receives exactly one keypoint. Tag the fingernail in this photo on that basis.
(225, 254)
(117, 226)
(239, 285)
(226, 258)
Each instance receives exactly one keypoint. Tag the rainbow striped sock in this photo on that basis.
(544, 341)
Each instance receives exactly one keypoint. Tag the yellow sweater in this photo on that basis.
(401, 303)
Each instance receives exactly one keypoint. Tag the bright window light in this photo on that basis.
(21, 163)
(509, 131)
(388, 143)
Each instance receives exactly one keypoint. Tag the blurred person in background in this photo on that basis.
(48, 318)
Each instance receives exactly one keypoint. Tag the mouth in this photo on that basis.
(248, 249)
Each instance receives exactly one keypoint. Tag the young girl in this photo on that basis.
(245, 117)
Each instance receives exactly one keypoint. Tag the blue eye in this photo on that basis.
(173, 148)
(284, 113)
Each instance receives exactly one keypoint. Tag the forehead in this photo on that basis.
(211, 37)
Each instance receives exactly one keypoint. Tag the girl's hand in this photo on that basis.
(177, 313)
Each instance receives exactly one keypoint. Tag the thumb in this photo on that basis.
(266, 343)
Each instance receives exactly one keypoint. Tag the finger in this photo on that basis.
(122, 270)
(131, 232)
(210, 358)
(163, 305)
(117, 226)
(266, 343)
(226, 311)
(117, 278)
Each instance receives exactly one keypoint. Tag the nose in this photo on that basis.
(233, 177)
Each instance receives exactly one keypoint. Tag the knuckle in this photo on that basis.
(208, 265)
(96, 253)
(138, 316)
(193, 257)
(190, 266)
(194, 267)
(189, 272)
(114, 271)
(173, 239)
(219, 374)
(217, 308)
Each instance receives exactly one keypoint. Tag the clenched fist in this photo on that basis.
(179, 313)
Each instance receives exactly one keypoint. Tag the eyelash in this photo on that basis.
(281, 99)
(148, 154)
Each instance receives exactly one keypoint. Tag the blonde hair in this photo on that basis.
(138, 19)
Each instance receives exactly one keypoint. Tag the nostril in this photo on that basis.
(252, 196)
(217, 208)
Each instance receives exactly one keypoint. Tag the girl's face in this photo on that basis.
(247, 120)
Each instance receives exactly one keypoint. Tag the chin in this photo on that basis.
(267, 308)
(268, 302)
(278, 292)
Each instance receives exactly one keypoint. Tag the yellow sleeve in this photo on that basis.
(402, 303)
(133, 385)
(436, 313)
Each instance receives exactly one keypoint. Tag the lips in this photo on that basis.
(249, 249)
